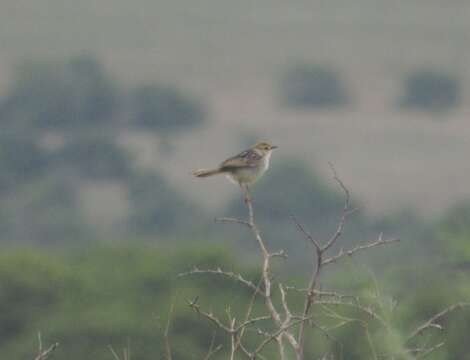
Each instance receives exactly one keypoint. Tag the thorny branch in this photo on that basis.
(286, 326)
(318, 260)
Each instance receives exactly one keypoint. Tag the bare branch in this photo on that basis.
(323, 294)
(228, 274)
(43, 355)
(251, 322)
(281, 330)
(318, 260)
(248, 312)
(431, 322)
(309, 299)
(266, 260)
(210, 316)
(232, 221)
(345, 213)
(288, 314)
(342, 253)
(281, 321)
(306, 233)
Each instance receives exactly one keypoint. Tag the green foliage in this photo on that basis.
(453, 232)
(431, 90)
(29, 285)
(313, 86)
(59, 96)
(113, 295)
(107, 296)
(165, 109)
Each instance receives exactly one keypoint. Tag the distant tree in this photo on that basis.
(95, 157)
(312, 86)
(59, 96)
(158, 208)
(165, 109)
(431, 90)
(21, 160)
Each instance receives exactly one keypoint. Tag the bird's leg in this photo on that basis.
(246, 193)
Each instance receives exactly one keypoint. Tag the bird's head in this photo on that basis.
(264, 147)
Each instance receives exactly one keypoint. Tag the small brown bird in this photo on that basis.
(245, 168)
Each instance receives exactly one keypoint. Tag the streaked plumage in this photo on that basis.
(244, 168)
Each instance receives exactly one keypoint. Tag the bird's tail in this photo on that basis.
(206, 172)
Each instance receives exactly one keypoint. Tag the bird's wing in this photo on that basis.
(246, 159)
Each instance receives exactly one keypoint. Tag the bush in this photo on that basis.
(431, 91)
(312, 86)
(93, 298)
(453, 232)
(165, 109)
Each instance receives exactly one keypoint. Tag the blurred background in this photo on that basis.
(106, 107)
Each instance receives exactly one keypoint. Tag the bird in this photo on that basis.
(245, 168)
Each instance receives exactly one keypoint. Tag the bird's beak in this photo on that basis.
(274, 147)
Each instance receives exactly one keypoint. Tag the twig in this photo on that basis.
(166, 335)
(342, 253)
(209, 316)
(345, 213)
(428, 351)
(306, 233)
(431, 322)
(281, 330)
(43, 355)
(248, 312)
(115, 355)
(232, 220)
(228, 274)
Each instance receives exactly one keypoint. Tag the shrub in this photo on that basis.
(431, 90)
